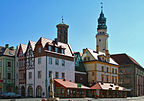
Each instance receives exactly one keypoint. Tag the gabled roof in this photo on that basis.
(95, 56)
(24, 47)
(6, 51)
(68, 84)
(107, 86)
(68, 50)
(123, 59)
(32, 43)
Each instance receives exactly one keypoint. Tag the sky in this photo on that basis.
(24, 20)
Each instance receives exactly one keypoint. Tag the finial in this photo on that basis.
(101, 6)
(62, 19)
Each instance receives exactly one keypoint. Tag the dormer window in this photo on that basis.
(39, 50)
(62, 51)
(56, 49)
(21, 53)
(50, 48)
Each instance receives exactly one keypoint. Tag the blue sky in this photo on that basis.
(24, 20)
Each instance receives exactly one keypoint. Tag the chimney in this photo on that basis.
(97, 49)
(7, 46)
(107, 52)
(84, 50)
(56, 40)
(11, 48)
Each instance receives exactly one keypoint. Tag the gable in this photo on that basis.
(87, 55)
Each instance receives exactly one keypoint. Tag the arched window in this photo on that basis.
(30, 91)
(39, 91)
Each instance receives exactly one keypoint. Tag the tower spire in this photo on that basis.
(62, 19)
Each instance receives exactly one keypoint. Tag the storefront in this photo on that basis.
(67, 89)
(108, 90)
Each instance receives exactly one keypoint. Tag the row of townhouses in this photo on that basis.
(27, 69)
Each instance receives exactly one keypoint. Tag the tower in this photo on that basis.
(102, 36)
(62, 32)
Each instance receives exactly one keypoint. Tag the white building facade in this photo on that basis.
(52, 58)
(30, 69)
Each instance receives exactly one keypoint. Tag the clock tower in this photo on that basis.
(62, 32)
(102, 36)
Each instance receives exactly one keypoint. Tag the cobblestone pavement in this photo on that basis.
(141, 98)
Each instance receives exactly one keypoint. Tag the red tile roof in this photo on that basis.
(122, 59)
(107, 86)
(68, 84)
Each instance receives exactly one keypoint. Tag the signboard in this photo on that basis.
(1, 80)
(79, 85)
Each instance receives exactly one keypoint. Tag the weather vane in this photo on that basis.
(101, 6)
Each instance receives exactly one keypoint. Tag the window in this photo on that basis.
(112, 70)
(88, 58)
(50, 73)
(63, 75)
(24, 75)
(107, 78)
(100, 39)
(112, 79)
(30, 75)
(16, 76)
(116, 71)
(39, 60)
(49, 48)
(84, 58)
(102, 68)
(56, 61)
(63, 63)
(107, 69)
(0, 76)
(0, 63)
(50, 60)
(9, 75)
(115, 79)
(9, 64)
(92, 73)
(56, 49)
(102, 78)
(39, 50)
(62, 51)
(21, 53)
(56, 75)
(30, 61)
(39, 74)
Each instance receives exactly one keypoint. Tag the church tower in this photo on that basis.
(102, 36)
(62, 32)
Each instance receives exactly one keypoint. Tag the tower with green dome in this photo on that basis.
(102, 36)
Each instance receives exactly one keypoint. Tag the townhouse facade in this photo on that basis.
(7, 68)
(81, 75)
(100, 67)
(98, 63)
(30, 69)
(22, 69)
(131, 74)
(38, 60)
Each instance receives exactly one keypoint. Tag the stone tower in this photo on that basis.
(102, 36)
(62, 32)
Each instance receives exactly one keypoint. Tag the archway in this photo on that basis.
(30, 91)
(16, 90)
(23, 91)
(39, 91)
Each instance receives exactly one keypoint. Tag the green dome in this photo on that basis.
(102, 21)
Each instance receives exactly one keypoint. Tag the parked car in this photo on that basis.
(13, 95)
(3, 95)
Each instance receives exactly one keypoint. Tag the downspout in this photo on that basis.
(34, 78)
(46, 81)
